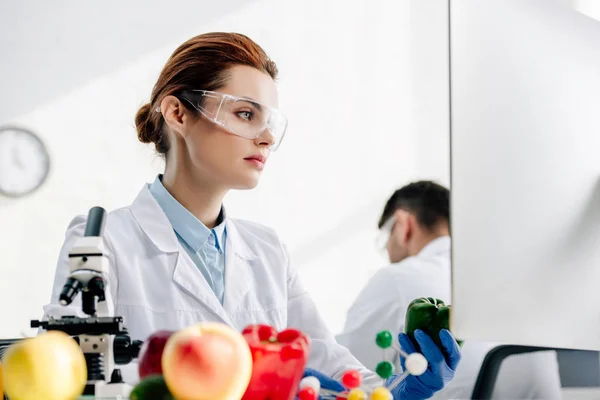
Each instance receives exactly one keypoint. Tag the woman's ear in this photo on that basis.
(173, 112)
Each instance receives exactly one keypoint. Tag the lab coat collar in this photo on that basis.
(187, 226)
(153, 221)
(441, 245)
(236, 243)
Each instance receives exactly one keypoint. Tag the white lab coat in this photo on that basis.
(155, 285)
(382, 305)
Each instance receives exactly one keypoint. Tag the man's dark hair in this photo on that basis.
(428, 201)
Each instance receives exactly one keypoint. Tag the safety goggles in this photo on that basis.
(384, 234)
(238, 115)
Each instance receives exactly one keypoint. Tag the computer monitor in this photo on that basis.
(525, 173)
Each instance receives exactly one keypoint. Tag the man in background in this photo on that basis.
(415, 230)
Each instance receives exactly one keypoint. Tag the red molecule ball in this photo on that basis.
(351, 379)
(307, 393)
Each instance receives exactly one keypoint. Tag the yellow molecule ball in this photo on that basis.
(381, 393)
(357, 394)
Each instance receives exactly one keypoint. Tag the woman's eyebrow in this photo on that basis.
(254, 102)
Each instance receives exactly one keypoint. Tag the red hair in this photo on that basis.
(200, 63)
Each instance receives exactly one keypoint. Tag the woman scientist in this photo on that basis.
(175, 257)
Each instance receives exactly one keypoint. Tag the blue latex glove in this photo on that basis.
(326, 381)
(440, 368)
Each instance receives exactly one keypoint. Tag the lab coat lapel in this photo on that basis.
(186, 276)
(238, 270)
(154, 222)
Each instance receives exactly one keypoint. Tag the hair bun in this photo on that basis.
(146, 128)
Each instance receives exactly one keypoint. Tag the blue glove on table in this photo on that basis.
(326, 381)
(440, 368)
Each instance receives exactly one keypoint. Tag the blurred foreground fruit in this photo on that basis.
(279, 359)
(1, 385)
(50, 366)
(151, 354)
(151, 388)
(207, 361)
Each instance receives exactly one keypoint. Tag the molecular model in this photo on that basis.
(416, 364)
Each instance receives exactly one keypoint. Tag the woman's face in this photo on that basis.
(220, 157)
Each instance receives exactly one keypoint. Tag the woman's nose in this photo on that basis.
(265, 138)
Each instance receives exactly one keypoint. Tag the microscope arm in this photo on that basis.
(75, 232)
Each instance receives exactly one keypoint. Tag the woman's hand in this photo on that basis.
(325, 381)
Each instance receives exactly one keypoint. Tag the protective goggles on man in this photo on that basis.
(238, 115)
(384, 234)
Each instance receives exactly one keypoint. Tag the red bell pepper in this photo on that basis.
(278, 362)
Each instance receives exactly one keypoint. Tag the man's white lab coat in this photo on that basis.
(382, 306)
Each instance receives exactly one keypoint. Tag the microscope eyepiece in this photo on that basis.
(70, 290)
(95, 222)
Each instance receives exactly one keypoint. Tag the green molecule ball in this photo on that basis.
(384, 339)
(385, 369)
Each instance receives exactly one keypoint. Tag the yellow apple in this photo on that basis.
(207, 361)
(1, 385)
(50, 366)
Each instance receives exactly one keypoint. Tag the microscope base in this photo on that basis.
(104, 390)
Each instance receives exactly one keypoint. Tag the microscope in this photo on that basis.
(103, 338)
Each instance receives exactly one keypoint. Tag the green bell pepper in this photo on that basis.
(429, 315)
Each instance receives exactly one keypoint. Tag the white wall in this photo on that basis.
(429, 101)
(347, 84)
(591, 8)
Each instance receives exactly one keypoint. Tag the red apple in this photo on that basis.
(149, 359)
(207, 361)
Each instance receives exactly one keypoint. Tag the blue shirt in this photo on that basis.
(206, 247)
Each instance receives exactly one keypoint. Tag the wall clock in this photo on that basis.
(24, 161)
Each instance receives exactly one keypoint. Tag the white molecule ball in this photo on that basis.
(311, 381)
(416, 364)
